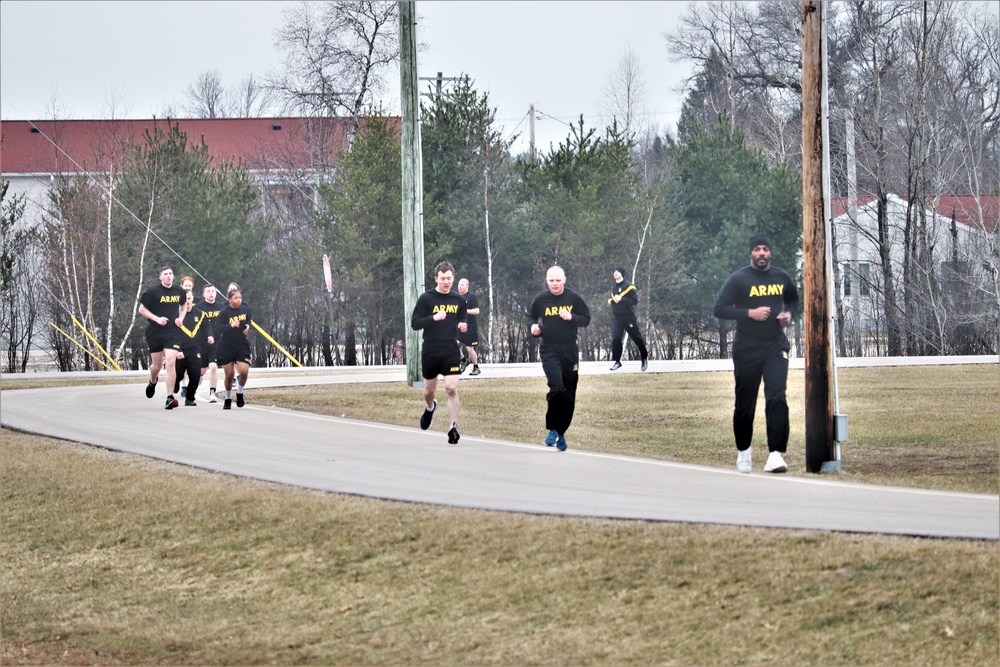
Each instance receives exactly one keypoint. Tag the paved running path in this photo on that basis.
(408, 464)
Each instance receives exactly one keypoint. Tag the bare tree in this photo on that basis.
(747, 57)
(754, 47)
(250, 99)
(168, 111)
(975, 63)
(625, 96)
(206, 97)
(337, 56)
(111, 156)
(18, 299)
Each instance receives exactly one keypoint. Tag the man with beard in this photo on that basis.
(762, 299)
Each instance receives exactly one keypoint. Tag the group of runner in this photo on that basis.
(191, 339)
(761, 298)
(555, 315)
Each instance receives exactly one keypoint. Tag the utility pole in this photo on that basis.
(531, 134)
(413, 201)
(819, 408)
(439, 81)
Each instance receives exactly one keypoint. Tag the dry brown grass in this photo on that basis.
(111, 558)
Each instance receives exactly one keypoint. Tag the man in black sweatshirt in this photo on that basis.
(762, 299)
(624, 298)
(555, 315)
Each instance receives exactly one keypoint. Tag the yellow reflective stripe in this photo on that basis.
(627, 290)
(190, 333)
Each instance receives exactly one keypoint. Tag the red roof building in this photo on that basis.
(976, 211)
(257, 144)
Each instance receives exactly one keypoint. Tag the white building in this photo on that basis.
(961, 233)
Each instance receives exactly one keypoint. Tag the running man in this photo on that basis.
(470, 338)
(555, 315)
(161, 305)
(194, 335)
(440, 313)
(624, 298)
(762, 299)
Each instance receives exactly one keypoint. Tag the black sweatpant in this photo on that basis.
(191, 364)
(621, 324)
(561, 364)
(754, 361)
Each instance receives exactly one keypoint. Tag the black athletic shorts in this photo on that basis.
(469, 338)
(439, 358)
(230, 355)
(159, 338)
(208, 354)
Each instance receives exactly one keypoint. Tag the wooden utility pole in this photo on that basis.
(413, 199)
(820, 444)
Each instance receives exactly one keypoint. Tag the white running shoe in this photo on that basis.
(212, 398)
(744, 459)
(775, 463)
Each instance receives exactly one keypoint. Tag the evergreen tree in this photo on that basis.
(202, 213)
(165, 203)
(727, 193)
(470, 217)
(359, 222)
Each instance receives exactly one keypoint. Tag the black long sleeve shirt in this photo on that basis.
(544, 312)
(196, 330)
(431, 302)
(751, 288)
(628, 298)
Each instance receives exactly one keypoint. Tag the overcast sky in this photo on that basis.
(81, 56)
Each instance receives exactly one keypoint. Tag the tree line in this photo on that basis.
(916, 84)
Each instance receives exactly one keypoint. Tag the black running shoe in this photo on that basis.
(171, 403)
(453, 435)
(150, 389)
(228, 404)
(239, 401)
(645, 365)
(184, 391)
(425, 419)
(189, 402)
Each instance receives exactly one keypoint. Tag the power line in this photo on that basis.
(107, 191)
